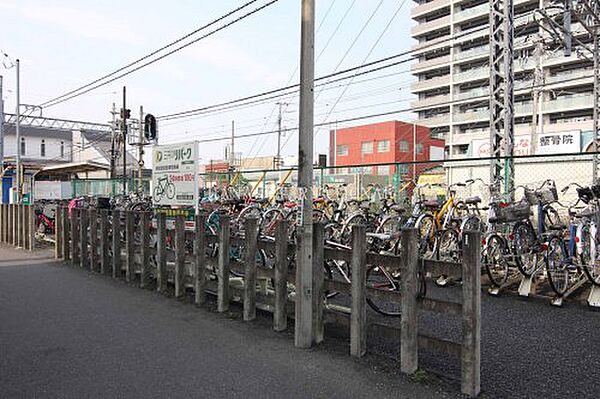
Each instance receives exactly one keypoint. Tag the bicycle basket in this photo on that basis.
(544, 195)
(513, 212)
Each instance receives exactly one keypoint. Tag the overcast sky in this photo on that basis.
(63, 44)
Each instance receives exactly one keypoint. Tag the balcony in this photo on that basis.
(475, 94)
(432, 63)
(430, 26)
(423, 85)
(430, 101)
(472, 74)
(423, 9)
(471, 13)
(571, 103)
(434, 121)
(521, 109)
(582, 75)
(473, 53)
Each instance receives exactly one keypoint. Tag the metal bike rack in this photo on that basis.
(512, 279)
(558, 301)
(594, 296)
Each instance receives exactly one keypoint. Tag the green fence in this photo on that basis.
(108, 187)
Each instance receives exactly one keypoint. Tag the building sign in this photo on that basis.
(481, 148)
(174, 174)
(559, 143)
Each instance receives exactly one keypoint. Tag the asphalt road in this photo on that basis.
(67, 333)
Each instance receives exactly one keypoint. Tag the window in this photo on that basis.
(62, 149)
(22, 145)
(366, 147)
(402, 169)
(419, 148)
(403, 146)
(383, 170)
(383, 146)
(342, 150)
(43, 148)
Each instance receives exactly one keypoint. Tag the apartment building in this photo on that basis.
(452, 85)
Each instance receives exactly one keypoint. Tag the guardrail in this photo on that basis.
(139, 247)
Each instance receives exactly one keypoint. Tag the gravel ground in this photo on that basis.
(54, 320)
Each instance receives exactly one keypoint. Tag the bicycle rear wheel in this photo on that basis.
(588, 254)
(494, 260)
(556, 266)
(379, 278)
(448, 246)
(524, 248)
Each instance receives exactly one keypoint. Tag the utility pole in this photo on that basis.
(113, 138)
(277, 163)
(141, 149)
(18, 134)
(304, 332)
(232, 155)
(596, 105)
(124, 132)
(1, 127)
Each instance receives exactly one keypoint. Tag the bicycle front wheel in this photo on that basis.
(494, 260)
(556, 266)
(524, 250)
(379, 278)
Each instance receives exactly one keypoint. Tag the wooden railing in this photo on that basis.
(142, 247)
(17, 225)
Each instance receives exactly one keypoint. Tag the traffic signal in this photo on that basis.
(126, 114)
(150, 127)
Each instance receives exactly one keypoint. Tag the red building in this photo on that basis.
(385, 142)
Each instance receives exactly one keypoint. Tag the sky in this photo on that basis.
(64, 44)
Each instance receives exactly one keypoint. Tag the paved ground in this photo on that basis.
(67, 333)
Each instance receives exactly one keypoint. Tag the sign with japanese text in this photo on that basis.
(559, 143)
(481, 148)
(174, 174)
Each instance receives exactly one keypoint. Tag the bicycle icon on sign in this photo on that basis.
(164, 186)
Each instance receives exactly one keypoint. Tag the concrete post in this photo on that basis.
(104, 243)
(161, 252)
(83, 239)
(75, 235)
(251, 242)
(179, 255)
(200, 260)
(471, 314)
(129, 246)
(93, 221)
(223, 272)
(358, 316)
(409, 359)
(145, 219)
(58, 233)
(116, 243)
(281, 272)
(66, 240)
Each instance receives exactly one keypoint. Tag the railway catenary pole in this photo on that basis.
(18, 134)
(501, 94)
(124, 133)
(303, 334)
(1, 126)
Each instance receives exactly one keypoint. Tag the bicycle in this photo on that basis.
(164, 187)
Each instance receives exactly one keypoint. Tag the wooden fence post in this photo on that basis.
(409, 261)
(13, 227)
(93, 221)
(116, 243)
(21, 226)
(144, 243)
(129, 247)
(318, 282)
(223, 272)
(179, 255)
(58, 233)
(83, 230)
(161, 252)
(281, 275)
(104, 244)
(75, 235)
(471, 314)
(358, 315)
(251, 242)
(4, 231)
(200, 260)
(66, 243)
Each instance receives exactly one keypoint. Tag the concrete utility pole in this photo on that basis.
(124, 132)
(1, 126)
(232, 155)
(303, 334)
(141, 149)
(596, 117)
(113, 138)
(277, 163)
(18, 134)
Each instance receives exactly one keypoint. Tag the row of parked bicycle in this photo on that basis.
(537, 234)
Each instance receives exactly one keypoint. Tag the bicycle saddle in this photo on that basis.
(473, 200)
(432, 203)
(398, 208)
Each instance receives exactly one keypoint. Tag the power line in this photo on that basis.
(119, 76)
(152, 53)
